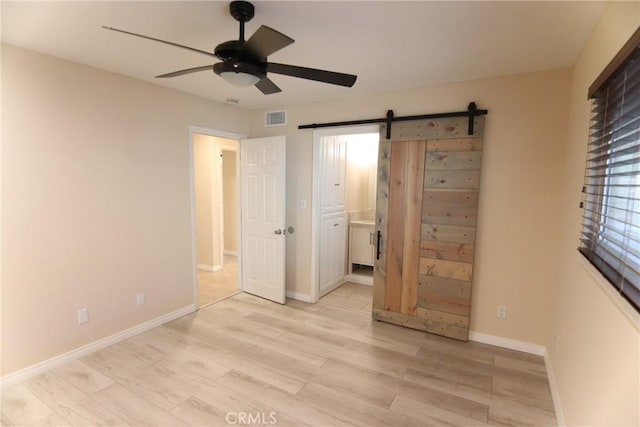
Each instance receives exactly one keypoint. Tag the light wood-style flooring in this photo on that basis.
(218, 285)
(325, 364)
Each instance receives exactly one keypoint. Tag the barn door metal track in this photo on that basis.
(471, 113)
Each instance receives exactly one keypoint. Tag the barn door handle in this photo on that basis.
(378, 244)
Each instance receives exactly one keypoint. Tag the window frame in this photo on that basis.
(610, 255)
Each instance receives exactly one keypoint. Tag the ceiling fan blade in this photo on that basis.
(331, 77)
(204, 52)
(186, 71)
(264, 42)
(267, 87)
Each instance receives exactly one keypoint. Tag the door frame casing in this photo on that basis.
(315, 196)
(192, 190)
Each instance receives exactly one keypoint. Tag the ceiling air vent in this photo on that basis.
(275, 118)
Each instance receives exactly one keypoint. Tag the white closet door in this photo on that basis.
(339, 248)
(340, 175)
(334, 166)
(326, 258)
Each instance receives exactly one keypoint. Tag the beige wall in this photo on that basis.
(361, 157)
(357, 185)
(230, 191)
(96, 202)
(209, 189)
(597, 361)
(207, 218)
(523, 158)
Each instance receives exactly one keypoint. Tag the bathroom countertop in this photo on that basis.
(362, 223)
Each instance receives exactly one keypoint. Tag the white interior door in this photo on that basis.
(262, 179)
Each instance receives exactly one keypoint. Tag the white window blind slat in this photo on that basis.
(610, 237)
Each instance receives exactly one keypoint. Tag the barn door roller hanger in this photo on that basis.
(471, 113)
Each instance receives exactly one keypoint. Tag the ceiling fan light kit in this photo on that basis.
(240, 73)
(244, 63)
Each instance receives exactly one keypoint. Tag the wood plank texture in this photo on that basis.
(382, 209)
(450, 198)
(434, 129)
(443, 317)
(440, 327)
(446, 269)
(445, 295)
(193, 372)
(448, 233)
(458, 179)
(447, 250)
(449, 215)
(412, 224)
(437, 297)
(458, 144)
(395, 226)
(454, 160)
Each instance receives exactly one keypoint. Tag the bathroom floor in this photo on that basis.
(350, 296)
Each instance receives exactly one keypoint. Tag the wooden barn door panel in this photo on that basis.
(426, 215)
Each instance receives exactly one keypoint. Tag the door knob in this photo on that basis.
(289, 230)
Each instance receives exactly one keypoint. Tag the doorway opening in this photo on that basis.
(216, 215)
(344, 197)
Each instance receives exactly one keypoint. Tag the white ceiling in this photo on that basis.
(390, 45)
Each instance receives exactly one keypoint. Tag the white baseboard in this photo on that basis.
(211, 268)
(360, 279)
(298, 296)
(553, 385)
(54, 362)
(232, 253)
(527, 347)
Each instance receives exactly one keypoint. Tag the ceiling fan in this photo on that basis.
(244, 63)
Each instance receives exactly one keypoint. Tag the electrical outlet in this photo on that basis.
(557, 342)
(502, 312)
(83, 316)
(303, 205)
(140, 299)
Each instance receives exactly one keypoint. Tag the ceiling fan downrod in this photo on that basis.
(242, 11)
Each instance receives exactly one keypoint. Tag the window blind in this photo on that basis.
(610, 237)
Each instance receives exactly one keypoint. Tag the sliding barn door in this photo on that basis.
(426, 210)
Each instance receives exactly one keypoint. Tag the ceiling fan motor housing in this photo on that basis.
(228, 50)
(256, 69)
